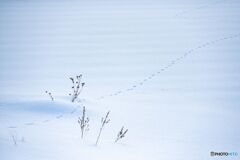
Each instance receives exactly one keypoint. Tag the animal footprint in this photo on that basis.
(45, 121)
(12, 127)
(60, 116)
(30, 124)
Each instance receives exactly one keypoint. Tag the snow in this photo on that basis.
(168, 71)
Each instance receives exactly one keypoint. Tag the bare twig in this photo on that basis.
(77, 87)
(14, 139)
(50, 95)
(104, 121)
(121, 134)
(83, 122)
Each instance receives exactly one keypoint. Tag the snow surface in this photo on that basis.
(167, 70)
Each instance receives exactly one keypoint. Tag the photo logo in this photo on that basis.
(223, 154)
